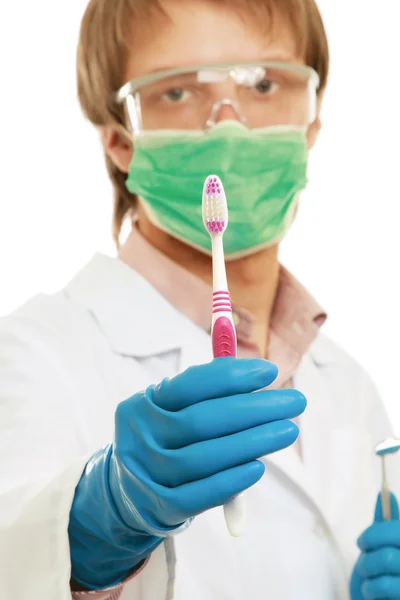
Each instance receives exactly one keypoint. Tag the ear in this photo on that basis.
(313, 132)
(117, 148)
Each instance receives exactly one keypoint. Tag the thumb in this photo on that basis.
(393, 504)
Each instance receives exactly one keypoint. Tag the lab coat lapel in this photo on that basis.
(289, 463)
(308, 472)
(315, 426)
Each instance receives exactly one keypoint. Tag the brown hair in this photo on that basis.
(103, 49)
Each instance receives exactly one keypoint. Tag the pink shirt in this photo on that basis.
(295, 320)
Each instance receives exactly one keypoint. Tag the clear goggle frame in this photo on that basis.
(259, 94)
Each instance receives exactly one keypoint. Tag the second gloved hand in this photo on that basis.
(376, 575)
(181, 447)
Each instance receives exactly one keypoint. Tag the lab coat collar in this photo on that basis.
(310, 471)
(323, 351)
(114, 294)
(314, 426)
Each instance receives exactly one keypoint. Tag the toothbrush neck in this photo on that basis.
(219, 272)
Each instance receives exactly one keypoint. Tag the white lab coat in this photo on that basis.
(67, 360)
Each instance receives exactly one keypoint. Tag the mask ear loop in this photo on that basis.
(211, 121)
(312, 102)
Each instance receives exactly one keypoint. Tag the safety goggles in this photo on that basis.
(259, 94)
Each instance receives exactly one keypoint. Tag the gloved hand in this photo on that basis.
(376, 575)
(181, 447)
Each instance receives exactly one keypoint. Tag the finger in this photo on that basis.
(225, 416)
(381, 588)
(222, 377)
(196, 497)
(385, 561)
(393, 505)
(379, 535)
(176, 467)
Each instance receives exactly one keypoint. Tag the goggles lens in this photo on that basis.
(263, 95)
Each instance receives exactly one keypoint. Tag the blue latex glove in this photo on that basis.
(181, 447)
(376, 575)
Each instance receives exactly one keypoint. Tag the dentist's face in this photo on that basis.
(198, 32)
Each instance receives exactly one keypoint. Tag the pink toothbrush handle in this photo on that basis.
(224, 343)
(223, 338)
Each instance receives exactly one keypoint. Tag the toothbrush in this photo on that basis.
(223, 334)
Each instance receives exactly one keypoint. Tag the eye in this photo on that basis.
(266, 86)
(176, 95)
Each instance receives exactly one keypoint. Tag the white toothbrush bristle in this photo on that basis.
(215, 209)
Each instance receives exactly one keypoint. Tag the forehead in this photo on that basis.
(198, 32)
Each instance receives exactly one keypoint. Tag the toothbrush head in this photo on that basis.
(215, 208)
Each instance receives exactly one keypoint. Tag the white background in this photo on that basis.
(55, 199)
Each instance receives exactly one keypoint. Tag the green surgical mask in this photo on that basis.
(262, 171)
